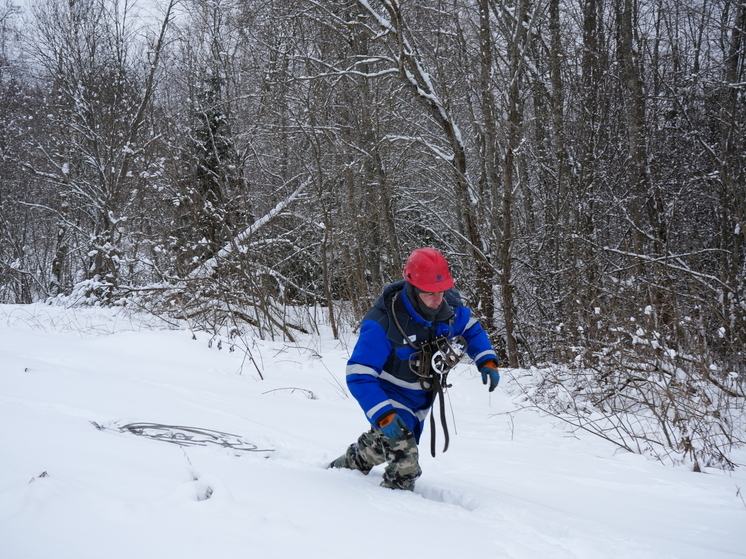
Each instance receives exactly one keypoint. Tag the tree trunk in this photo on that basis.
(732, 181)
(516, 61)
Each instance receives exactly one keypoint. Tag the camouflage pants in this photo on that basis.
(373, 448)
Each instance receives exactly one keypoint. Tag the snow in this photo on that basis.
(512, 485)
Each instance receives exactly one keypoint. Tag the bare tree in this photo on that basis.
(102, 82)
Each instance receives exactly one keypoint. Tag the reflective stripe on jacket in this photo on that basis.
(378, 372)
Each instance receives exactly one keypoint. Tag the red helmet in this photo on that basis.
(427, 269)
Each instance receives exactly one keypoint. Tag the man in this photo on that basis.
(417, 329)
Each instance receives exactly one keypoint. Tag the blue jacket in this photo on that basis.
(378, 373)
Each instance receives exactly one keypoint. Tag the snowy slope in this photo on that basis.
(512, 485)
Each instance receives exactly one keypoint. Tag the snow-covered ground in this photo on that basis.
(512, 485)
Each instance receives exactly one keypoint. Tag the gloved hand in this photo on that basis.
(393, 426)
(489, 369)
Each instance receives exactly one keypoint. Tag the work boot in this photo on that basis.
(406, 486)
(340, 462)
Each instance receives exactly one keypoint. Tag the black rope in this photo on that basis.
(186, 436)
(438, 388)
(396, 321)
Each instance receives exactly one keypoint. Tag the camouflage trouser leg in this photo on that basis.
(373, 448)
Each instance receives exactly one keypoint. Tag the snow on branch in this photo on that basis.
(667, 261)
(207, 267)
(415, 75)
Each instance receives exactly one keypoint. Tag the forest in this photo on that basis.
(267, 166)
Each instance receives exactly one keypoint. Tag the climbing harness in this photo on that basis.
(431, 362)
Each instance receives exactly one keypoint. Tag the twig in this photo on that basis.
(310, 395)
